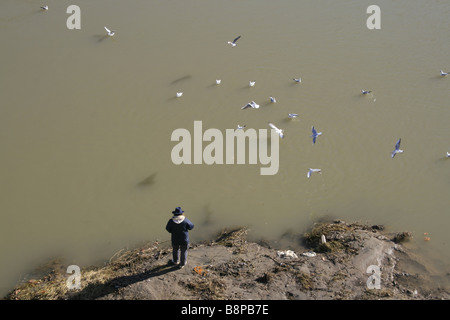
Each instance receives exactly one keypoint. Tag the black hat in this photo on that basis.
(177, 211)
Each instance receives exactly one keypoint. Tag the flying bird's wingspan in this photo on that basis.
(397, 145)
(310, 171)
(278, 130)
(273, 126)
(397, 149)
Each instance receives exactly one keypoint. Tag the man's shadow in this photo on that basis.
(97, 290)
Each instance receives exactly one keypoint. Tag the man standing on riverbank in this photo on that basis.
(179, 227)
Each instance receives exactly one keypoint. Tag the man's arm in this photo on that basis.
(190, 225)
(169, 227)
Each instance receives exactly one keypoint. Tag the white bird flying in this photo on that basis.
(251, 104)
(279, 131)
(310, 171)
(233, 43)
(218, 81)
(179, 94)
(397, 149)
(315, 134)
(110, 32)
(251, 83)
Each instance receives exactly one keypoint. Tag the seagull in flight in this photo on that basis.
(297, 79)
(310, 171)
(233, 43)
(218, 81)
(315, 134)
(44, 8)
(444, 73)
(179, 94)
(110, 32)
(251, 104)
(279, 131)
(251, 83)
(292, 115)
(272, 99)
(397, 149)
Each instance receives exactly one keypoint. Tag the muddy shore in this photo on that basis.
(343, 261)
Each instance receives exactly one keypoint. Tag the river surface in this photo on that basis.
(86, 121)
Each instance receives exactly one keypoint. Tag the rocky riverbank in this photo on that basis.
(342, 261)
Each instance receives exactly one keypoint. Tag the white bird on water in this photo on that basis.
(241, 127)
(110, 32)
(251, 83)
(272, 99)
(297, 79)
(310, 171)
(366, 91)
(251, 104)
(233, 43)
(444, 73)
(44, 8)
(179, 94)
(448, 154)
(315, 134)
(279, 131)
(397, 148)
(292, 115)
(218, 81)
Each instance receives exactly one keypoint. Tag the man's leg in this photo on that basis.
(175, 250)
(184, 254)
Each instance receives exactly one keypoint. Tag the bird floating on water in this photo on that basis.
(297, 79)
(369, 92)
(233, 43)
(241, 127)
(251, 104)
(279, 131)
(448, 154)
(444, 73)
(315, 134)
(179, 94)
(251, 83)
(44, 8)
(272, 99)
(218, 81)
(110, 32)
(310, 171)
(292, 115)
(397, 149)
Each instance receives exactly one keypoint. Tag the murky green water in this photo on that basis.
(86, 122)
